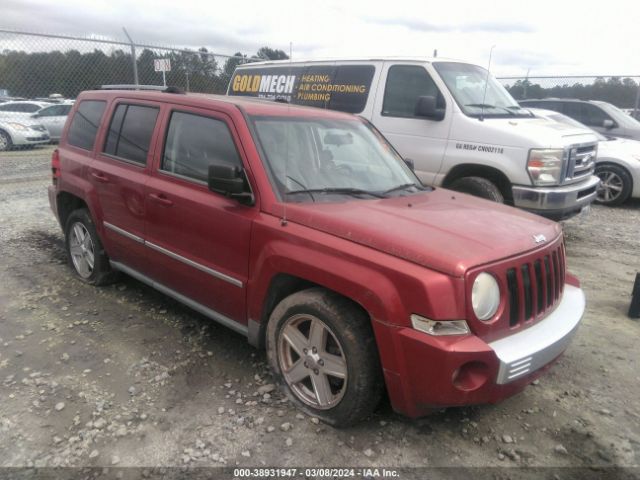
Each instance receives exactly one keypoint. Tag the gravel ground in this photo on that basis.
(124, 376)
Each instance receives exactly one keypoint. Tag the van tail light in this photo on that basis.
(55, 166)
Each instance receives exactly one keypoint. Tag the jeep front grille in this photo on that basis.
(536, 286)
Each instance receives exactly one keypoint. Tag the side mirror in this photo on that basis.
(34, 115)
(608, 124)
(228, 180)
(426, 106)
(410, 163)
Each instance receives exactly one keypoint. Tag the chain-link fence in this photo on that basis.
(38, 65)
(621, 91)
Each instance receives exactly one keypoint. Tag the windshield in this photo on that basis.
(313, 159)
(467, 82)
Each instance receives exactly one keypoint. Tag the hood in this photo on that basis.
(442, 230)
(527, 132)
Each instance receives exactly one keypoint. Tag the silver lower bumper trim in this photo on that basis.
(531, 349)
(559, 201)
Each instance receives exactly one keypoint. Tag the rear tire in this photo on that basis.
(85, 252)
(616, 184)
(5, 141)
(478, 187)
(323, 353)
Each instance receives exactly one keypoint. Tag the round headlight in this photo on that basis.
(485, 296)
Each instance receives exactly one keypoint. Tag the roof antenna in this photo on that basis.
(284, 222)
(486, 82)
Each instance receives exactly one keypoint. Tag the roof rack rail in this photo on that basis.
(126, 86)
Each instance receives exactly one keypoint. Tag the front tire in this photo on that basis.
(478, 187)
(5, 142)
(616, 184)
(322, 351)
(85, 252)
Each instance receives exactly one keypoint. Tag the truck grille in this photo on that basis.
(536, 286)
(582, 161)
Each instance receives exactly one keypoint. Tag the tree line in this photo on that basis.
(621, 92)
(39, 74)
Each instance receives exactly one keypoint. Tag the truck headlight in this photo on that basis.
(485, 296)
(545, 165)
(17, 126)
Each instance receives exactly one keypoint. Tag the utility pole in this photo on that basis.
(133, 57)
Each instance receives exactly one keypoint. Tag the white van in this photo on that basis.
(458, 125)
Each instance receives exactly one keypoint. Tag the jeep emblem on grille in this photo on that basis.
(539, 238)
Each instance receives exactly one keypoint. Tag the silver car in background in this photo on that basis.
(53, 117)
(21, 108)
(600, 116)
(21, 133)
(617, 163)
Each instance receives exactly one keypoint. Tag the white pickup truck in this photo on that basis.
(458, 125)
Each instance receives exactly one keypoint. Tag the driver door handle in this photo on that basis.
(161, 199)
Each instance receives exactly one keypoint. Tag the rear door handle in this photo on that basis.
(100, 177)
(161, 199)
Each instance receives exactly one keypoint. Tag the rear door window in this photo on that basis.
(594, 116)
(130, 132)
(194, 142)
(84, 126)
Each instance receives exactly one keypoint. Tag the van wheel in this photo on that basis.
(323, 353)
(84, 250)
(616, 185)
(5, 142)
(478, 187)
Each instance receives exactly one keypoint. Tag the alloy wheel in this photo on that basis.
(312, 361)
(611, 186)
(82, 250)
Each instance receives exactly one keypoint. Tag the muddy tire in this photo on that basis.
(478, 187)
(323, 353)
(85, 252)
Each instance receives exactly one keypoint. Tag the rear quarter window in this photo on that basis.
(85, 123)
(130, 132)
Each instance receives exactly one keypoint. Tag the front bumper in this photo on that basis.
(29, 137)
(436, 372)
(557, 203)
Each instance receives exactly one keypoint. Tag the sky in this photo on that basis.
(542, 37)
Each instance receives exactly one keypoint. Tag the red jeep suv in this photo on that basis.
(304, 230)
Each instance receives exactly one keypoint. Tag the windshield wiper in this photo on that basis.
(487, 105)
(338, 190)
(402, 187)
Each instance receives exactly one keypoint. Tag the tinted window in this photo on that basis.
(54, 111)
(556, 106)
(130, 132)
(195, 142)
(405, 83)
(83, 129)
(573, 110)
(349, 76)
(30, 108)
(593, 116)
(6, 108)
